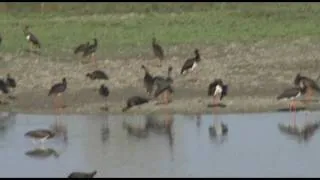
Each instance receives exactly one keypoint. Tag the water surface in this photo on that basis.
(254, 147)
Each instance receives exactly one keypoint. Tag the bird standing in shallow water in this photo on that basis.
(31, 38)
(82, 174)
(97, 74)
(147, 80)
(191, 63)
(157, 50)
(11, 83)
(104, 91)
(57, 90)
(292, 94)
(135, 101)
(40, 134)
(91, 50)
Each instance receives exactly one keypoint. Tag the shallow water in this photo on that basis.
(254, 147)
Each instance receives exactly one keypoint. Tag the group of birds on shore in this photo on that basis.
(163, 85)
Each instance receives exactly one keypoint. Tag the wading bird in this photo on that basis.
(191, 63)
(135, 101)
(147, 80)
(292, 94)
(31, 38)
(97, 74)
(91, 51)
(40, 134)
(57, 90)
(104, 92)
(157, 50)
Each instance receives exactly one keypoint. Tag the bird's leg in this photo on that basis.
(294, 113)
(43, 140)
(93, 59)
(165, 94)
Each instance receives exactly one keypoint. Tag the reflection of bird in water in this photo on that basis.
(140, 132)
(42, 153)
(161, 126)
(218, 129)
(82, 174)
(198, 116)
(60, 128)
(301, 134)
(105, 131)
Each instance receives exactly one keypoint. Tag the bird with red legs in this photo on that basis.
(57, 90)
(293, 94)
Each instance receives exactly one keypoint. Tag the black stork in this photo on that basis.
(157, 50)
(91, 51)
(311, 85)
(81, 48)
(191, 63)
(40, 134)
(3, 88)
(147, 80)
(57, 90)
(163, 86)
(104, 91)
(82, 174)
(31, 38)
(97, 74)
(218, 90)
(135, 101)
(11, 83)
(292, 94)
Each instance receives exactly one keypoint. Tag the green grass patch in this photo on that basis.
(127, 28)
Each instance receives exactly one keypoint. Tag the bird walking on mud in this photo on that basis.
(157, 50)
(57, 90)
(97, 74)
(147, 80)
(31, 38)
(91, 51)
(293, 94)
(12, 84)
(81, 48)
(163, 87)
(191, 63)
(104, 92)
(135, 101)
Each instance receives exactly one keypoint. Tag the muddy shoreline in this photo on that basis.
(255, 73)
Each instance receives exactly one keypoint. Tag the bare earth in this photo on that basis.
(256, 74)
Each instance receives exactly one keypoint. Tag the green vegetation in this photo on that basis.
(129, 27)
